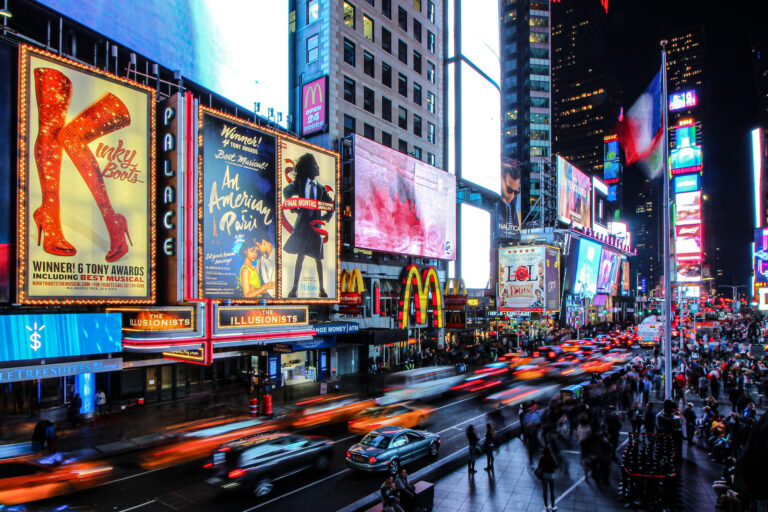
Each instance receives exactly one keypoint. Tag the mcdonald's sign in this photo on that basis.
(352, 288)
(456, 320)
(314, 106)
(422, 282)
(455, 295)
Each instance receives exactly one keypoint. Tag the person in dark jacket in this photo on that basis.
(473, 441)
(390, 496)
(690, 422)
(650, 419)
(38, 436)
(636, 417)
(546, 472)
(488, 445)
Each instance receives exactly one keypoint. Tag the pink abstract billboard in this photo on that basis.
(314, 106)
(403, 205)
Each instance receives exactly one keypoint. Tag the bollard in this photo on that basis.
(254, 409)
(267, 405)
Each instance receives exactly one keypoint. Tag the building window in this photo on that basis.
(292, 21)
(312, 48)
(349, 14)
(430, 72)
(539, 134)
(386, 40)
(417, 125)
(431, 132)
(369, 132)
(402, 118)
(368, 28)
(539, 53)
(349, 52)
(538, 37)
(539, 102)
(386, 109)
(540, 85)
(539, 69)
(402, 84)
(431, 158)
(430, 102)
(539, 118)
(369, 64)
(417, 29)
(402, 146)
(402, 18)
(539, 21)
(417, 94)
(539, 151)
(369, 100)
(417, 62)
(386, 139)
(430, 41)
(313, 11)
(386, 8)
(417, 152)
(349, 90)
(349, 125)
(386, 74)
(431, 11)
(402, 51)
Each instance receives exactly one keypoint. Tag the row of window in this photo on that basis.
(386, 35)
(369, 62)
(369, 104)
(386, 10)
(369, 132)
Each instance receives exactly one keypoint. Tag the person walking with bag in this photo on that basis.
(490, 437)
(473, 441)
(545, 471)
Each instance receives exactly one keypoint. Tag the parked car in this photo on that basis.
(389, 448)
(256, 462)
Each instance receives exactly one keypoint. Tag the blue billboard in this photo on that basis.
(686, 183)
(587, 268)
(66, 335)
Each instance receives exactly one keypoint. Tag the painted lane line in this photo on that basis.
(138, 506)
(277, 498)
(455, 403)
(129, 477)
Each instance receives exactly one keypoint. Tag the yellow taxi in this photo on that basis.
(570, 346)
(23, 480)
(328, 409)
(529, 372)
(405, 414)
(515, 359)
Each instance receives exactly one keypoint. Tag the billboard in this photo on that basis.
(314, 106)
(682, 100)
(552, 279)
(403, 205)
(308, 182)
(38, 336)
(688, 208)
(237, 215)
(686, 155)
(528, 278)
(420, 286)
(611, 160)
(475, 246)
(625, 277)
(761, 255)
(91, 240)
(587, 268)
(688, 271)
(608, 274)
(8, 157)
(686, 183)
(507, 218)
(688, 241)
(574, 193)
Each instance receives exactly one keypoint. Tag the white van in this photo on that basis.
(419, 384)
(650, 331)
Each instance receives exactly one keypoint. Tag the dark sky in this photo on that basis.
(727, 106)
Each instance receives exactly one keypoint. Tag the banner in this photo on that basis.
(574, 192)
(309, 223)
(552, 279)
(314, 106)
(608, 273)
(86, 184)
(237, 216)
(522, 278)
(625, 283)
(245, 318)
(507, 218)
(8, 148)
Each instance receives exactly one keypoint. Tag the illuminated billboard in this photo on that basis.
(475, 246)
(528, 278)
(761, 255)
(314, 106)
(608, 273)
(611, 161)
(686, 183)
(688, 271)
(686, 155)
(86, 184)
(688, 241)
(480, 35)
(688, 208)
(574, 192)
(682, 100)
(584, 280)
(625, 276)
(507, 218)
(403, 205)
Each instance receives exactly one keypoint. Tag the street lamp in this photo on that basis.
(733, 288)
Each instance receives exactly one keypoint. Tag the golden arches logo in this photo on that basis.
(455, 286)
(352, 281)
(313, 91)
(422, 282)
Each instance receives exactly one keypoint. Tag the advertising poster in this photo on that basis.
(609, 271)
(688, 240)
(522, 282)
(87, 184)
(403, 205)
(625, 277)
(688, 208)
(507, 216)
(309, 222)
(314, 106)
(7, 164)
(761, 255)
(688, 271)
(587, 268)
(611, 160)
(574, 191)
(686, 155)
(237, 212)
(552, 279)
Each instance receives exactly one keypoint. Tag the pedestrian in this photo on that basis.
(690, 423)
(50, 436)
(38, 436)
(650, 419)
(73, 410)
(390, 496)
(488, 445)
(473, 441)
(636, 417)
(408, 498)
(101, 402)
(546, 472)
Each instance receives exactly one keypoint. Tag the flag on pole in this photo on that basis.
(640, 129)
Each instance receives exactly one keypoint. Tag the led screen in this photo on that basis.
(682, 99)
(574, 191)
(686, 157)
(761, 255)
(587, 268)
(625, 277)
(611, 161)
(688, 271)
(688, 240)
(521, 283)
(688, 208)
(403, 205)
(600, 300)
(609, 271)
(238, 50)
(480, 36)
(686, 183)
(475, 246)
(480, 130)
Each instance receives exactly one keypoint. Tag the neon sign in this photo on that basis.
(682, 99)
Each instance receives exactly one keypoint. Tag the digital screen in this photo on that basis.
(686, 183)
(761, 255)
(574, 192)
(480, 134)
(521, 283)
(403, 205)
(688, 240)
(61, 335)
(688, 208)
(600, 300)
(686, 156)
(611, 160)
(475, 246)
(480, 36)
(688, 271)
(587, 268)
(625, 277)
(239, 51)
(690, 292)
(609, 271)
(507, 218)
(8, 109)
(682, 99)
(314, 106)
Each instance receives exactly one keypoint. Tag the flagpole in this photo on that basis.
(666, 212)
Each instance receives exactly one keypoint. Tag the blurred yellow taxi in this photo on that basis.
(328, 409)
(23, 480)
(529, 372)
(406, 414)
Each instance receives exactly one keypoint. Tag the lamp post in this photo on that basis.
(733, 290)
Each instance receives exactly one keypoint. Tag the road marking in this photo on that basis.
(138, 506)
(345, 438)
(455, 403)
(130, 476)
(277, 498)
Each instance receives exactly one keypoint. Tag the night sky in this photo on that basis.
(727, 107)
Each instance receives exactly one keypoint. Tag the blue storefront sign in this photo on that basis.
(50, 371)
(66, 335)
(318, 342)
(335, 328)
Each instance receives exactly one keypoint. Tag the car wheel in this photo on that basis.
(394, 466)
(434, 448)
(263, 486)
(322, 463)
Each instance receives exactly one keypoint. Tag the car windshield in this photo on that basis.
(375, 440)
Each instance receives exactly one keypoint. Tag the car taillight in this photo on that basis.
(349, 455)
(208, 465)
(551, 355)
(371, 460)
(224, 449)
(535, 354)
(236, 473)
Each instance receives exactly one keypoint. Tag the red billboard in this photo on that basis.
(403, 205)
(314, 106)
